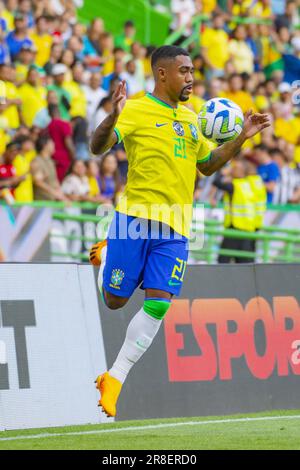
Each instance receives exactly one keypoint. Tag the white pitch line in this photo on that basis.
(150, 426)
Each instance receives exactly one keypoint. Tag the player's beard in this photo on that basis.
(182, 96)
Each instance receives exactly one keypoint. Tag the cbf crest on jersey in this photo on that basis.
(194, 131)
(178, 128)
(117, 277)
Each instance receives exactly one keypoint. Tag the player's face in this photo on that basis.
(180, 77)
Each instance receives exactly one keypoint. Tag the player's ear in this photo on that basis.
(161, 72)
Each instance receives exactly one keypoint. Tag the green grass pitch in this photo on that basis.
(269, 430)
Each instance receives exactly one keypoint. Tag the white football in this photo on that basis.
(220, 120)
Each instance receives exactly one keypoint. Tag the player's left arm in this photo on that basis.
(253, 124)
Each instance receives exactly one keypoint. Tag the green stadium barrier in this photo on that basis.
(214, 232)
(52, 204)
(152, 26)
(197, 21)
(285, 240)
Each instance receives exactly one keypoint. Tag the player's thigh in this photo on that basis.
(157, 294)
(165, 266)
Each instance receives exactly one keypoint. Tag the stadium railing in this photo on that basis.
(288, 251)
(152, 26)
(198, 20)
(273, 243)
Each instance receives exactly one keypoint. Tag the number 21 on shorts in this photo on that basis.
(179, 270)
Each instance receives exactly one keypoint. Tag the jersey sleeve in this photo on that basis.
(204, 151)
(126, 122)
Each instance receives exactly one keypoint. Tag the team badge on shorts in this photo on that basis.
(194, 131)
(178, 128)
(117, 277)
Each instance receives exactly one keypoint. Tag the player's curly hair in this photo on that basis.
(167, 52)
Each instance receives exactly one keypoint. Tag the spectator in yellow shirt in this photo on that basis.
(208, 6)
(33, 97)
(27, 147)
(24, 191)
(4, 137)
(75, 89)
(261, 9)
(240, 7)
(295, 122)
(26, 58)
(240, 53)
(125, 39)
(93, 173)
(42, 41)
(107, 48)
(284, 127)
(7, 16)
(12, 99)
(214, 47)
(235, 93)
(68, 59)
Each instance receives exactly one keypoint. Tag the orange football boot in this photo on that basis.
(95, 252)
(109, 389)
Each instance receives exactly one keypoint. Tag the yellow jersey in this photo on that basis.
(43, 44)
(4, 140)
(163, 145)
(285, 129)
(242, 98)
(78, 99)
(11, 113)
(295, 122)
(24, 191)
(34, 99)
(4, 136)
(216, 42)
(94, 188)
(21, 72)
(258, 10)
(9, 18)
(208, 6)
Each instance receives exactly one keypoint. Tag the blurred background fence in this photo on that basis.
(73, 229)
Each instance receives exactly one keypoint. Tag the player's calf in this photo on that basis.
(139, 336)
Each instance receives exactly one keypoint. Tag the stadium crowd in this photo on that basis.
(57, 77)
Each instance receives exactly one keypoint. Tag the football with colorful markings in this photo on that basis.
(220, 120)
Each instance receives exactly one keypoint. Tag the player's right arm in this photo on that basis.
(104, 136)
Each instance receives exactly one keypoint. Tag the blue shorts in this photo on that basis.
(143, 253)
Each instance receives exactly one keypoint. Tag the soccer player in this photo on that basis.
(164, 147)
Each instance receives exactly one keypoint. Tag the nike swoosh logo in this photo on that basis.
(160, 125)
(171, 283)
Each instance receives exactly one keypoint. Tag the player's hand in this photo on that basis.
(255, 123)
(119, 98)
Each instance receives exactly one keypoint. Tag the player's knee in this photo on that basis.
(157, 307)
(113, 302)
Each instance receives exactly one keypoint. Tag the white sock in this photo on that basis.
(101, 269)
(139, 336)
